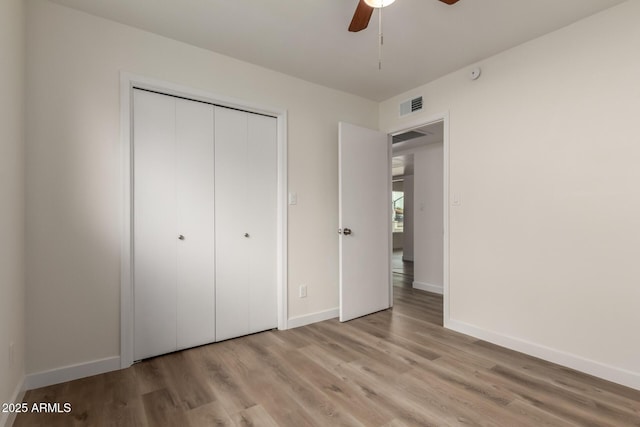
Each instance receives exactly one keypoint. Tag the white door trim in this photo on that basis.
(442, 117)
(127, 82)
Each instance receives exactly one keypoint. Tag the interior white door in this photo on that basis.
(154, 225)
(174, 294)
(364, 221)
(246, 186)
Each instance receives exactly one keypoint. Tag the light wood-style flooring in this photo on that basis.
(402, 270)
(394, 368)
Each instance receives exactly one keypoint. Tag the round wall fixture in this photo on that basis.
(475, 73)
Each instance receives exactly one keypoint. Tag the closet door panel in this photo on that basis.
(232, 291)
(154, 227)
(195, 209)
(261, 164)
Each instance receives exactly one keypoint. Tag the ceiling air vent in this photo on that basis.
(411, 106)
(406, 136)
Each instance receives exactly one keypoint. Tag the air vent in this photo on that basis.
(411, 106)
(406, 136)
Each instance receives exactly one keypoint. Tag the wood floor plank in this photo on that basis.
(182, 377)
(219, 377)
(413, 411)
(412, 334)
(565, 378)
(128, 413)
(162, 408)
(253, 374)
(395, 423)
(591, 410)
(335, 388)
(254, 416)
(469, 401)
(385, 336)
(547, 400)
(345, 336)
(304, 392)
(536, 415)
(149, 375)
(211, 414)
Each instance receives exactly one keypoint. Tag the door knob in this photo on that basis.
(246, 234)
(181, 237)
(346, 231)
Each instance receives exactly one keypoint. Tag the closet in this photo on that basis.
(204, 223)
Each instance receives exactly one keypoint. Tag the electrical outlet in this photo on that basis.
(303, 291)
(11, 357)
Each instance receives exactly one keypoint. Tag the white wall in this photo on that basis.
(398, 238)
(12, 170)
(74, 197)
(408, 244)
(428, 218)
(544, 154)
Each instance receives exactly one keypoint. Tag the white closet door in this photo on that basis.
(195, 205)
(232, 259)
(174, 279)
(261, 204)
(155, 216)
(246, 186)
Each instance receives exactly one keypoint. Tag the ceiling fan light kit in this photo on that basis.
(379, 3)
(365, 8)
(363, 13)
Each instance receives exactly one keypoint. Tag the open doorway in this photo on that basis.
(418, 214)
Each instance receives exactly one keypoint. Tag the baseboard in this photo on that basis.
(429, 287)
(307, 319)
(7, 418)
(591, 367)
(72, 372)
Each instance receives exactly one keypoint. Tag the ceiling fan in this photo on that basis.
(365, 8)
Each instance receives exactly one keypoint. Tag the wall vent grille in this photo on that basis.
(411, 106)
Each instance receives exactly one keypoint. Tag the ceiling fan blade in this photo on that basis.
(361, 17)
(449, 1)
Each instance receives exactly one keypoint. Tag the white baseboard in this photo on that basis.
(7, 419)
(591, 367)
(429, 287)
(72, 372)
(307, 319)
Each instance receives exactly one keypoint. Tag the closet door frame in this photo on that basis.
(128, 82)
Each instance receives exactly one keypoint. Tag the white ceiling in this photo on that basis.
(424, 39)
